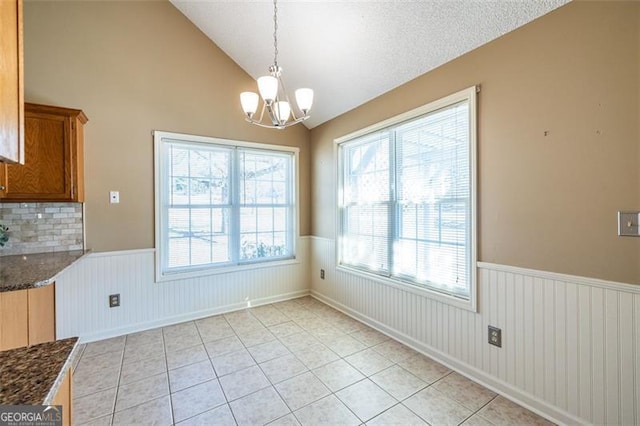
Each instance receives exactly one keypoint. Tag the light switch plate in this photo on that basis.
(628, 224)
(114, 197)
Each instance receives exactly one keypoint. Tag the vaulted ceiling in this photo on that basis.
(352, 51)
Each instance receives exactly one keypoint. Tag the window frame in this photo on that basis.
(469, 95)
(160, 216)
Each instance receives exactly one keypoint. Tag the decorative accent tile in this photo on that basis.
(42, 227)
(366, 399)
(436, 408)
(301, 390)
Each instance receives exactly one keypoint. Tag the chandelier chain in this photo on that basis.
(275, 33)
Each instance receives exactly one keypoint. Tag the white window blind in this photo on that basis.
(220, 204)
(407, 210)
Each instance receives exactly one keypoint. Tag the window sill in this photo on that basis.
(467, 304)
(217, 270)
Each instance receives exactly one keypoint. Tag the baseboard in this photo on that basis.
(526, 400)
(163, 322)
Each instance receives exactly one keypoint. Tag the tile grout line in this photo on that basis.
(115, 399)
(166, 366)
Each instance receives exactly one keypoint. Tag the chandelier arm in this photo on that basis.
(282, 87)
(262, 111)
(272, 114)
(271, 126)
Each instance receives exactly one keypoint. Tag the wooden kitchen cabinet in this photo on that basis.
(27, 317)
(11, 82)
(14, 322)
(42, 314)
(53, 169)
(64, 397)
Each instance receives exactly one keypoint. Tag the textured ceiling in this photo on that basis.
(352, 51)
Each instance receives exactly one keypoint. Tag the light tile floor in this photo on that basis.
(289, 363)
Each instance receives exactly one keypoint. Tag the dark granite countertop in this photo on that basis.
(24, 271)
(31, 375)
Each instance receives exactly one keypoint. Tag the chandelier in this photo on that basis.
(274, 96)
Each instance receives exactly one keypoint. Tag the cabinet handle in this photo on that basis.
(2, 188)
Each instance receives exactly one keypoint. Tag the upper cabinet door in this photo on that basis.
(53, 167)
(11, 83)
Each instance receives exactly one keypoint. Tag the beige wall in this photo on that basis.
(546, 203)
(134, 67)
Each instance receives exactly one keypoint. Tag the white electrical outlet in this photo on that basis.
(114, 197)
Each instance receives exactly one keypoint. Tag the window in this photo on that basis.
(221, 203)
(407, 198)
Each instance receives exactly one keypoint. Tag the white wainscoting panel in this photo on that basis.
(82, 293)
(570, 345)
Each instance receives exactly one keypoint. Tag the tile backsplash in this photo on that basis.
(42, 227)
